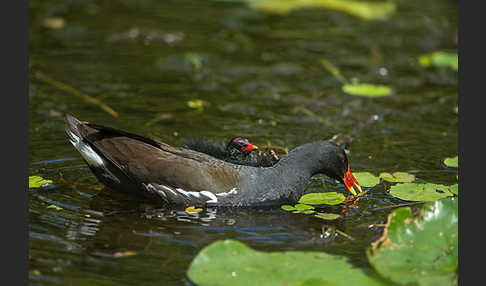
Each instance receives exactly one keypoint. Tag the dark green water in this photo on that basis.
(258, 72)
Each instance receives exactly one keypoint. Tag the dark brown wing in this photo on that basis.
(147, 161)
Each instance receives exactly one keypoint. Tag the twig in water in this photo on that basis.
(72, 90)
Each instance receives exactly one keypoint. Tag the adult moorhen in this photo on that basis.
(178, 176)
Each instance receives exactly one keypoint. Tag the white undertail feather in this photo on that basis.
(91, 157)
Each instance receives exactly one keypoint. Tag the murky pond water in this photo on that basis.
(261, 77)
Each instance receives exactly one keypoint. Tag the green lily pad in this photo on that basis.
(329, 198)
(302, 208)
(420, 192)
(454, 189)
(419, 250)
(367, 90)
(197, 104)
(361, 9)
(288, 208)
(38, 182)
(327, 216)
(230, 262)
(451, 162)
(54, 207)
(299, 208)
(440, 59)
(366, 179)
(398, 177)
(303, 212)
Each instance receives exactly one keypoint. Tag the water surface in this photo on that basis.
(262, 79)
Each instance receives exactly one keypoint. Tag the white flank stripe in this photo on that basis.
(187, 194)
(213, 198)
(233, 191)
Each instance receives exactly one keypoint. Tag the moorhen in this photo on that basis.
(237, 151)
(178, 176)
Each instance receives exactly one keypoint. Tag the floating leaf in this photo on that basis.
(197, 104)
(299, 208)
(366, 179)
(288, 208)
(124, 254)
(329, 198)
(419, 250)
(440, 59)
(360, 9)
(451, 162)
(367, 90)
(193, 210)
(327, 216)
(398, 177)
(54, 23)
(54, 207)
(302, 207)
(38, 182)
(303, 212)
(230, 262)
(454, 189)
(420, 192)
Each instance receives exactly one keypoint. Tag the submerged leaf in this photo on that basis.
(230, 262)
(195, 60)
(398, 177)
(420, 192)
(38, 182)
(367, 90)
(366, 179)
(451, 162)
(419, 250)
(329, 198)
(327, 216)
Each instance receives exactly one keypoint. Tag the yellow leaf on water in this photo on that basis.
(124, 254)
(193, 210)
(54, 23)
(54, 207)
(365, 10)
(197, 104)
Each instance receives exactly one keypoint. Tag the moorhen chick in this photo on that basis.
(237, 151)
(178, 176)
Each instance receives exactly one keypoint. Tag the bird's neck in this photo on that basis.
(289, 177)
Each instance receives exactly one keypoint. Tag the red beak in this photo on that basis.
(249, 148)
(351, 183)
